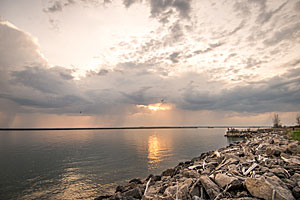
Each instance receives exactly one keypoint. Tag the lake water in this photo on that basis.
(86, 164)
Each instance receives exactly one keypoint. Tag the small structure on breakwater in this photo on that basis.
(233, 132)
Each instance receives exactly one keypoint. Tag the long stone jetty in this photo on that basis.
(266, 165)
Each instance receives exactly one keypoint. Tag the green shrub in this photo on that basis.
(296, 135)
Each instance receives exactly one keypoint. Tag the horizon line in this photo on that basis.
(127, 127)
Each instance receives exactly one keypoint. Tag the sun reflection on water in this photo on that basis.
(158, 150)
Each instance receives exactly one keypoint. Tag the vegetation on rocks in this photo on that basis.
(296, 135)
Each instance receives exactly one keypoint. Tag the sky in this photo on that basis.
(79, 63)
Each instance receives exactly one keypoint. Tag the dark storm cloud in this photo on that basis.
(280, 93)
(54, 80)
(47, 102)
(276, 94)
(138, 97)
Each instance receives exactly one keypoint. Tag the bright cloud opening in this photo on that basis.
(156, 107)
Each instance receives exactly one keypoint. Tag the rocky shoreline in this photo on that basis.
(266, 165)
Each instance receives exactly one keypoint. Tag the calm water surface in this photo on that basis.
(83, 164)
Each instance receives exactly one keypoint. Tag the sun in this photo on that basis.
(156, 107)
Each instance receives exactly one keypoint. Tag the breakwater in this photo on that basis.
(266, 165)
(124, 128)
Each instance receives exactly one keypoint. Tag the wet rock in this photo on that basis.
(265, 188)
(210, 187)
(136, 180)
(135, 193)
(296, 192)
(169, 172)
(103, 197)
(120, 188)
(162, 189)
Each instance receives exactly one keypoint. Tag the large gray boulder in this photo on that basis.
(267, 188)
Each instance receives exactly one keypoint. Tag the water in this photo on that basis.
(83, 164)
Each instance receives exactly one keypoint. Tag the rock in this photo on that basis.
(293, 148)
(296, 178)
(273, 150)
(223, 180)
(169, 172)
(136, 180)
(206, 171)
(195, 190)
(156, 178)
(162, 189)
(296, 192)
(242, 198)
(190, 174)
(210, 187)
(263, 188)
(120, 188)
(183, 192)
(103, 197)
(170, 191)
(135, 193)
(196, 198)
(280, 172)
(289, 183)
(291, 160)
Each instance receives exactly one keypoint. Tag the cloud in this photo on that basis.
(59, 5)
(56, 7)
(156, 66)
(17, 47)
(128, 3)
(173, 57)
(276, 94)
(55, 80)
(252, 63)
(288, 33)
(297, 6)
